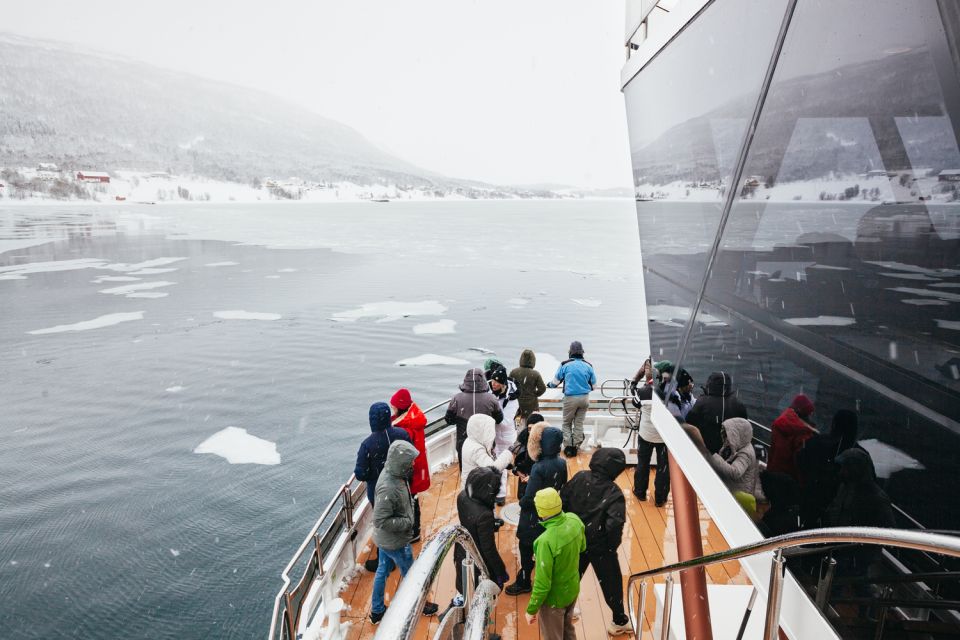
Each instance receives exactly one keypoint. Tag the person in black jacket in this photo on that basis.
(523, 462)
(475, 509)
(597, 500)
(549, 471)
(818, 470)
(718, 403)
(783, 516)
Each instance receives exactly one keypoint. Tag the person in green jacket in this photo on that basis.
(556, 579)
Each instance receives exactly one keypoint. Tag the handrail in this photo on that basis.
(917, 540)
(481, 607)
(400, 620)
(342, 494)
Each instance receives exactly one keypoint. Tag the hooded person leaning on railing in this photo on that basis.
(718, 403)
(408, 416)
(393, 523)
(736, 462)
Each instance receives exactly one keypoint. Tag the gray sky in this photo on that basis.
(506, 91)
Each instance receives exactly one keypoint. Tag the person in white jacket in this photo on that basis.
(478, 448)
(505, 391)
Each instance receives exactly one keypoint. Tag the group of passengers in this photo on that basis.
(566, 524)
(811, 478)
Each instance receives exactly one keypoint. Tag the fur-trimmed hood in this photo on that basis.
(533, 440)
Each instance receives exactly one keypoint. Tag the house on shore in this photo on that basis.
(93, 176)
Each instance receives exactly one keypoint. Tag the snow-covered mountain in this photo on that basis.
(90, 110)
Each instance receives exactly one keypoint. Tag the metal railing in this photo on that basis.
(338, 518)
(401, 618)
(916, 540)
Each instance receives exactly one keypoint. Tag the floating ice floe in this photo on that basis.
(587, 302)
(821, 321)
(239, 314)
(948, 324)
(390, 311)
(151, 271)
(148, 294)
(103, 321)
(149, 264)
(174, 552)
(436, 328)
(482, 350)
(887, 459)
(174, 389)
(127, 289)
(676, 316)
(20, 271)
(103, 279)
(272, 277)
(236, 446)
(518, 302)
(225, 263)
(287, 270)
(12, 276)
(429, 359)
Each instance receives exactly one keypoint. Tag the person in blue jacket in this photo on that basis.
(373, 454)
(578, 380)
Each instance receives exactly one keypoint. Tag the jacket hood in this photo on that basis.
(608, 462)
(779, 488)
(482, 485)
(379, 416)
(855, 466)
(400, 457)
(576, 349)
(533, 440)
(528, 359)
(719, 384)
(790, 422)
(738, 433)
(481, 428)
(412, 418)
(474, 382)
(550, 441)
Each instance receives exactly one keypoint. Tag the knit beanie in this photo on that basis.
(401, 400)
(664, 366)
(802, 405)
(548, 503)
(683, 378)
(500, 375)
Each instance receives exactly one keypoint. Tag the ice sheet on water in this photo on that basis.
(436, 328)
(149, 264)
(103, 321)
(287, 270)
(103, 279)
(174, 389)
(518, 302)
(239, 314)
(821, 321)
(237, 446)
(391, 310)
(151, 271)
(22, 270)
(482, 350)
(12, 276)
(676, 316)
(127, 289)
(225, 263)
(429, 359)
(948, 324)
(887, 459)
(148, 294)
(587, 302)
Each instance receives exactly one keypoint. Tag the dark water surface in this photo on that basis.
(110, 525)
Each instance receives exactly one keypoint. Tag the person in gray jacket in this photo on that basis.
(393, 523)
(474, 397)
(736, 463)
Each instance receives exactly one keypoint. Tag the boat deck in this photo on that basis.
(649, 542)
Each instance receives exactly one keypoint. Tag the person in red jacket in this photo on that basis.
(408, 416)
(790, 431)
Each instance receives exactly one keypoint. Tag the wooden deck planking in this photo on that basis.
(648, 543)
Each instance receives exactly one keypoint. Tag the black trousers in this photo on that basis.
(641, 478)
(416, 515)
(606, 565)
(525, 574)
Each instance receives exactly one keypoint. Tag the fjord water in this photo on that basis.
(110, 524)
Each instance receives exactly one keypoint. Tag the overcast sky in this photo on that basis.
(505, 91)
